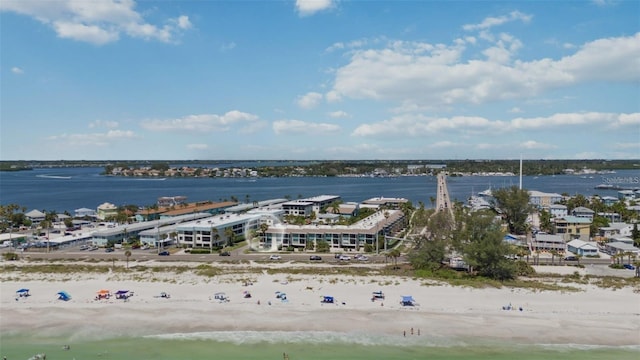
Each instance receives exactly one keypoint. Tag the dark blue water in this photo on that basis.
(72, 188)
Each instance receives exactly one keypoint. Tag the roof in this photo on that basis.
(579, 244)
(549, 238)
(557, 206)
(575, 219)
(583, 209)
(34, 214)
(536, 193)
(622, 246)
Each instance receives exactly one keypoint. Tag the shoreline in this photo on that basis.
(589, 317)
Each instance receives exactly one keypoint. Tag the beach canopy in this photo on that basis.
(23, 291)
(327, 299)
(120, 292)
(63, 295)
(103, 291)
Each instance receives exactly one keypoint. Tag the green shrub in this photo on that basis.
(200, 251)
(10, 256)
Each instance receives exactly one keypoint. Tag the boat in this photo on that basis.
(53, 177)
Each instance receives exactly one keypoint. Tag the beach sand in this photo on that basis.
(592, 316)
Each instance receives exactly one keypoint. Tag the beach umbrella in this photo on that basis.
(103, 291)
(22, 290)
(63, 295)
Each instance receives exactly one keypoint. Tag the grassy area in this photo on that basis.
(138, 271)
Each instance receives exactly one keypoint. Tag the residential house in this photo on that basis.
(572, 227)
(609, 200)
(548, 242)
(610, 216)
(106, 210)
(542, 199)
(583, 212)
(617, 248)
(626, 195)
(582, 248)
(85, 212)
(558, 210)
(36, 216)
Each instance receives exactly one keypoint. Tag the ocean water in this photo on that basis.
(68, 189)
(297, 346)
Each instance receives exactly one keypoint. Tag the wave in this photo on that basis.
(369, 339)
(311, 338)
(53, 177)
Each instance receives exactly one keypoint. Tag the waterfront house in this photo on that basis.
(626, 195)
(622, 239)
(611, 216)
(583, 212)
(609, 200)
(84, 212)
(36, 216)
(616, 229)
(106, 210)
(617, 248)
(541, 199)
(572, 227)
(558, 210)
(582, 248)
(548, 242)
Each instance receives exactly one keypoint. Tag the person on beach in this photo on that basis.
(411, 331)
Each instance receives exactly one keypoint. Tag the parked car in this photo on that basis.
(225, 253)
(362, 258)
(275, 257)
(315, 258)
(629, 266)
(571, 258)
(344, 257)
(109, 249)
(164, 253)
(84, 247)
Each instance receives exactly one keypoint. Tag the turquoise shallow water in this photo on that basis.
(297, 345)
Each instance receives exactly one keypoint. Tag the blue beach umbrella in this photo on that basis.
(63, 295)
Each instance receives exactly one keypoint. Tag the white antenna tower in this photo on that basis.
(520, 171)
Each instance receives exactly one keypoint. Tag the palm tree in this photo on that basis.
(128, 255)
(395, 254)
(230, 235)
(214, 236)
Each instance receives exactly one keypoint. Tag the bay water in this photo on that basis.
(67, 189)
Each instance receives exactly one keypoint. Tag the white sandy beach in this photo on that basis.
(592, 316)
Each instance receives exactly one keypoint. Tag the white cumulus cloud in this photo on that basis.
(98, 21)
(309, 100)
(303, 127)
(310, 7)
(201, 122)
(338, 114)
(16, 70)
(421, 75)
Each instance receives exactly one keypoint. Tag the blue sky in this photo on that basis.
(323, 79)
